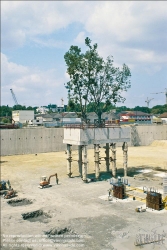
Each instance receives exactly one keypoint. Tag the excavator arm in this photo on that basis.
(51, 177)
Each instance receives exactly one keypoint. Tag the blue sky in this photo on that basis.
(35, 35)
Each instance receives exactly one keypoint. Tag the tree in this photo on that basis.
(142, 109)
(5, 120)
(122, 108)
(106, 108)
(92, 80)
(29, 108)
(5, 110)
(159, 109)
(19, 107)
(73, 107)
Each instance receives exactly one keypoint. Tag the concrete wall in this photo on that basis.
(144, 135)
(41, 140)
(76, 136)
(31, 140)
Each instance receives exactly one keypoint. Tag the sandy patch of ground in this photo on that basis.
(17, 168)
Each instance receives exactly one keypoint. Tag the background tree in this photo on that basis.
(159, 109)
(5, 110)
(19, 107)
(5, 120)
(92, 80)
(73, 107)
(122, 108)
(142, 109)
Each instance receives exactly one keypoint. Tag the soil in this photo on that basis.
(75, 215)
(19, 202)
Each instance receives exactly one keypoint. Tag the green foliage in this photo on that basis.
(159, 109)
(104, 106)
(122, 108)
(29, 108)
(5, 111)
(5, 120)
(73, 107)
(142, 109)
(94, 81)
(19, 107)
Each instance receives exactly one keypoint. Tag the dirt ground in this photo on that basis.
(75, 215)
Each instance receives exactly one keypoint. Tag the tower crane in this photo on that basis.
(14, 97)
(62, 102)
(148, 101)
(162, 92)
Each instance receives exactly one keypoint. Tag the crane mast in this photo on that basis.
(148, 101)
(14, 97)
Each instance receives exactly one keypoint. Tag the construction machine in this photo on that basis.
(10, 194)
(45, 182)
(3, 186)
(7, 192)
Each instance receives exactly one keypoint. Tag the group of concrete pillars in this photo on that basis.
(82, 159)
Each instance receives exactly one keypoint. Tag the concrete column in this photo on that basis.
(113, 149)
(80, 159)
(125, 157)
(97, 169)
(107, 158)
(84, 167)
(69, 160)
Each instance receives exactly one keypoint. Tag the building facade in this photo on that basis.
(22, 116)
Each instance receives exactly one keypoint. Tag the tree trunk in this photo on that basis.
(99, 117)
(84, 116)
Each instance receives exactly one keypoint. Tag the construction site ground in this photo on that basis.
(76, 215)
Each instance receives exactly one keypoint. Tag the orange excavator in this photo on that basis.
(45, 182)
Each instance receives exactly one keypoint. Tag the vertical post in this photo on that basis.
(80, 159)
(113, 149)
(97, 169)
(125, 157)
(107, 151)
(69, 160)
(84, 167)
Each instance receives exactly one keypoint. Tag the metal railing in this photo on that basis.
(107, 124)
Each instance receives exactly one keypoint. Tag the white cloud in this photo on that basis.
(50, 43)
(11, 68)
(30, 85)
(133, 32)
(80, 38)
(117, 26)
(24, 20)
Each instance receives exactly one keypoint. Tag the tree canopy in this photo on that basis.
(93, 80)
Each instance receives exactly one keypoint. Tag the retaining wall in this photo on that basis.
(42, 140)
(144, 135)
(31, 140)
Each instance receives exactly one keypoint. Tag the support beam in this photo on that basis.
(113, 149)
(84, 167)
(80, 159)
(69, 160)
(107, 158)
(97, 169)
(125, 157)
